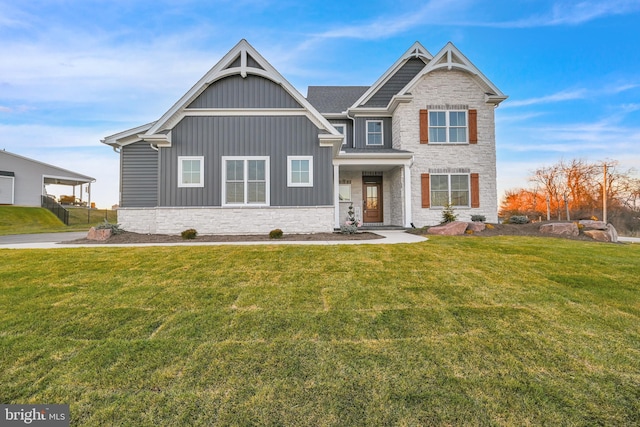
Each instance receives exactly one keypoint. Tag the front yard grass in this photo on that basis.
(452, 331)
(26, 220)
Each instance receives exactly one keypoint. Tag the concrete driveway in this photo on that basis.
(26, 239)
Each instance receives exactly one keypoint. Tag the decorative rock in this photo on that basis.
(476, 226)
(613, 233)
(560, 229)
(599, 235)
(455, 228)
(595, 225)
(102, 234)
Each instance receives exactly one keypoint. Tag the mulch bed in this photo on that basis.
(128, 237)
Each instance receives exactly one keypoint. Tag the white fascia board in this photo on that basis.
(126, 137)
(416, 50)
(369, 112)
(162, 140)
(365, 161)
(465, 65)
(377, 156)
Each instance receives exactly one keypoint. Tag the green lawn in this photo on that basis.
(452, 331)
(25, 220)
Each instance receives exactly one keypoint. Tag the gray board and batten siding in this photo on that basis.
(361, 133)
(139, 175)
(150, 178)
(250, 92)
(398, 81)
(273, 136)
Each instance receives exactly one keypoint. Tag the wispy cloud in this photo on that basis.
(572, 13)
(565, 95)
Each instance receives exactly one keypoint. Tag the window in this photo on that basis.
(190, 171)
(246, 180)
(448, 126)
(342, 129)
(345, 192)
(449, 189)
(374, 132)
(300, 171)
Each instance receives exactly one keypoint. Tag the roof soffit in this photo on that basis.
(415, 51)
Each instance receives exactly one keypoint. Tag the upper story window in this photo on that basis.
(300, 171)
(190, 171)
(374, 132)
(342, 129)
(448, 127)
(246, 180)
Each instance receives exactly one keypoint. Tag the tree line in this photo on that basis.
(577, 189)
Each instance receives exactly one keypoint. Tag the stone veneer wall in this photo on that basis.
(449, 87)
(212, 220)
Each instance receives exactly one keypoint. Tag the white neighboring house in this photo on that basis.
(23, 181)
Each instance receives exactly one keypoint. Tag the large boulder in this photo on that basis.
(599, 235)
(594, 225)
(560, 229)
(608, 235)
(476, 226)
(101, 234)
(454, 228)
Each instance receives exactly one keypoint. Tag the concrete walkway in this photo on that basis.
(53, 241)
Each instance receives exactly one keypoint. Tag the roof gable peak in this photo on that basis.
(415, 51)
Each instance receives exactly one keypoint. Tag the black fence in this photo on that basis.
(56, 208)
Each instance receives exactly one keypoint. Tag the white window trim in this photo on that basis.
(344, 131)
(448, 175)
(267, 177)
(290, 182)
(187, 185)
(448, 126)
(366, 130)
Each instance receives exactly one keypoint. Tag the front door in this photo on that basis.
(372, 203)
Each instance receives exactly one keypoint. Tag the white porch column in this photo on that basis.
(336, 195)
(407, 196)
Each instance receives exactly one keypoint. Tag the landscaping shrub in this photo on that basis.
(478, 218)
(189, 234)
(448, 215)
(106, 225)
(518, 219)
(275, 234)
(490, 227)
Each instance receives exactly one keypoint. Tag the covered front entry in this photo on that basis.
(372, 202)
(376, 188)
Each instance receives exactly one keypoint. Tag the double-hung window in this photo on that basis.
(190, 171)
(374, 132)
(300, 171)
(450, 189)
(246, 180)
(448, 127)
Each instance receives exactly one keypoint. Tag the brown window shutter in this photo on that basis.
(424, 126)
(473, 126)
(475, 190)
(426, 195)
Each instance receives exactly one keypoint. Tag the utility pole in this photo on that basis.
(604, 195)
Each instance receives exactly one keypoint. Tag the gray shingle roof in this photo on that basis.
(334, 99)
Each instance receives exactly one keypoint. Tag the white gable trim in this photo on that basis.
(450, 58)
(220, 70)
(415, 51)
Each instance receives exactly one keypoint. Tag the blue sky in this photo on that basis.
(73, 72)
